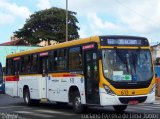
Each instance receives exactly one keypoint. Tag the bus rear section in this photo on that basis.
(2, 84)
(12, 77)
(96, 71)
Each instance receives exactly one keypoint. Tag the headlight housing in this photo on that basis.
(108, 90)
(153, 88)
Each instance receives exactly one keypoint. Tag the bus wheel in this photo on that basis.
(26, 97)
(77, 106)
(28, 101)
(119, 108)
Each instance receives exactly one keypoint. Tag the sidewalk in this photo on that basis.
(157, 100)
(157, 97)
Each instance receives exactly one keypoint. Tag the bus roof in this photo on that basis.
(73, 43)
(57, 46)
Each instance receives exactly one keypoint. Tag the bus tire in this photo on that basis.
(120, 108)
(77, 106)
(28, 101)
(26, 97)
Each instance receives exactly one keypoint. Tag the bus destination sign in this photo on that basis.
(124, 41)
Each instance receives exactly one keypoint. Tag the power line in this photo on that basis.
(138, 14)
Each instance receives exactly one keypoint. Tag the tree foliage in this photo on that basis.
(47, 25)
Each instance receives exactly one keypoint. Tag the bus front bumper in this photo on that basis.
(106, 99)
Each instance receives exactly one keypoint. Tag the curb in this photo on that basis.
(157, 98)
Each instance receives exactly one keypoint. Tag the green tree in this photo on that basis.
(47, 25)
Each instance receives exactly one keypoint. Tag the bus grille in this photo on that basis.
(126, 100)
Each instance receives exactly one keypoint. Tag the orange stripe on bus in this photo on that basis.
(50, 74)
(65, 75)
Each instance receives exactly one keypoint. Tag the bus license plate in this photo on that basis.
(133, 102)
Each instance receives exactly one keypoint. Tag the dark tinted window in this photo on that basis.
(61, 59)
(51, 61)
(55, 64)
(34, 63)
(9, 67)
(26, 64)
(75, 58)
(58, 60)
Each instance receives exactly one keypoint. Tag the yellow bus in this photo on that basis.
(94, 71)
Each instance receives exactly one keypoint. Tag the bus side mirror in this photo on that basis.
(99, 54)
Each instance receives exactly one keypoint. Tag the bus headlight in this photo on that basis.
(108, 90)
(0, 85)
(153, 88)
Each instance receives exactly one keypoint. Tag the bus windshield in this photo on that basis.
(127, 65)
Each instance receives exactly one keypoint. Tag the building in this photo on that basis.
(6, 50)
(18, 45)
(45, 43)
(19, 42)
(15, 42)
(156, 51)
(13, 46)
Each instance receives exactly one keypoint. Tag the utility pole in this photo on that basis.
(66, 20)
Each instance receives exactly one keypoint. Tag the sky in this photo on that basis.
(96, 17)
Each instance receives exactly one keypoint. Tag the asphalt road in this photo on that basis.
(14, 108)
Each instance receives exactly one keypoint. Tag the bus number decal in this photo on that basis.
(124, 92)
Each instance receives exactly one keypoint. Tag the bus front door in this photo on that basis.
(92, 77)
(44, 71)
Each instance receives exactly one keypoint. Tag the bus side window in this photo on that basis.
(51, 61)
(10, 67)
(55, 60)
(43, 67)
(25, 66)
(75, 58)
(29, 64)
(22, 65)
(61, 59)
(34, 62)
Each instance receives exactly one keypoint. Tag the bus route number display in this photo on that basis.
(123, 42)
